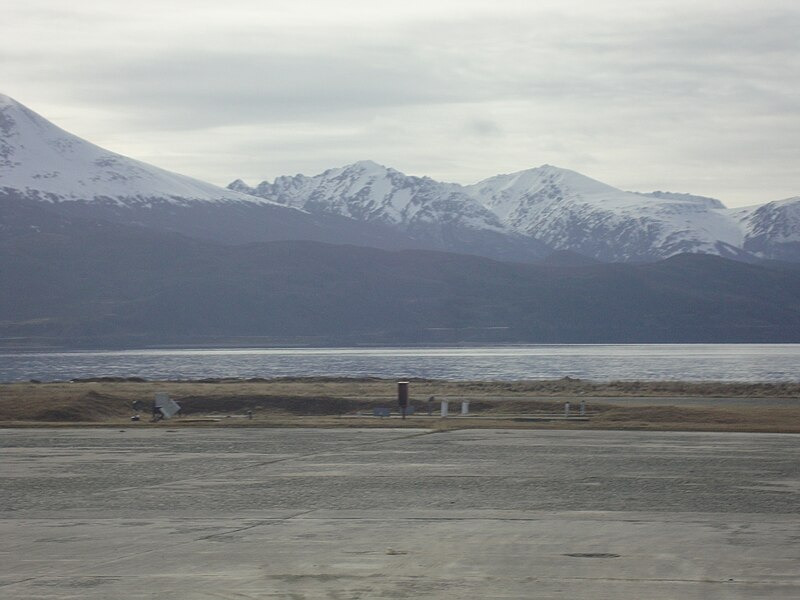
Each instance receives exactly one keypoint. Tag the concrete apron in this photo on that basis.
(154, 541)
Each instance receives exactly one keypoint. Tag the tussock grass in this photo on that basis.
(329, 402)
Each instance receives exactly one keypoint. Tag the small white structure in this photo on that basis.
(165, 405)
(445, 408)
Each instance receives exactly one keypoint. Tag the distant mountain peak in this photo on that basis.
(556, 207)
(43, 161)
(368, 165)
(570, 211)
(364, 168)
(440, 215)
(534, 181)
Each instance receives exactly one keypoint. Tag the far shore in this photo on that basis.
(350, 402)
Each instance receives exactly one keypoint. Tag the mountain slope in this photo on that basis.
(773, 230)
(46, 162)
(41, 163)
(569, 211)
(554, 208)
(113, 285)
(370, 192)
(438, 215)
(522, 216)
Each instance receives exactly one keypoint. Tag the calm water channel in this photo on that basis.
(693, 362)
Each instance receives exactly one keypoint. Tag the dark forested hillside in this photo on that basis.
(93, 283)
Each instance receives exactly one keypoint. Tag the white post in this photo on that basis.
(465, 407)
(445, 407)
(583, 408)
(566, 410)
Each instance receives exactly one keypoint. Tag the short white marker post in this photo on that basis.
(583, 408)
(445, 407)
(566, 410)
(465, 407)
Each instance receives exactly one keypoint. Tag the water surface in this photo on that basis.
(645, 362)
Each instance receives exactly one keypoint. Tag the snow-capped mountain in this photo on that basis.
(569, 211)
(368, 191)
(773, 229)
(561, 209)
(50, 175)
(520, 216)
(42, 160)
(438, 214)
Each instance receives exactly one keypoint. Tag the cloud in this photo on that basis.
(683, 95)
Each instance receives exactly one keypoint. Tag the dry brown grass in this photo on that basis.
(773, 419)
(324, 402)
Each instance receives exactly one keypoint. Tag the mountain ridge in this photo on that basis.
(42, 163)
(39, 156)
(563, 209)
(522, 216)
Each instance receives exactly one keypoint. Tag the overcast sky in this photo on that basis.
(678, 95)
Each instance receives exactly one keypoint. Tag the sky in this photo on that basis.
(644, 95)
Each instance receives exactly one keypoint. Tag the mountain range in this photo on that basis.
(522, 216)
(97, 249)
(560, 209)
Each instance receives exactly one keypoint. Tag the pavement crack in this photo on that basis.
(255, 525)
(26, 580)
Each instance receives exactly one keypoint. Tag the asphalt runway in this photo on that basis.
(152, 512)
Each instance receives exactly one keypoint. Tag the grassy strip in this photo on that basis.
(325, 402)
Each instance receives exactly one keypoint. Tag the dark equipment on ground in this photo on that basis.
(402, 397)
